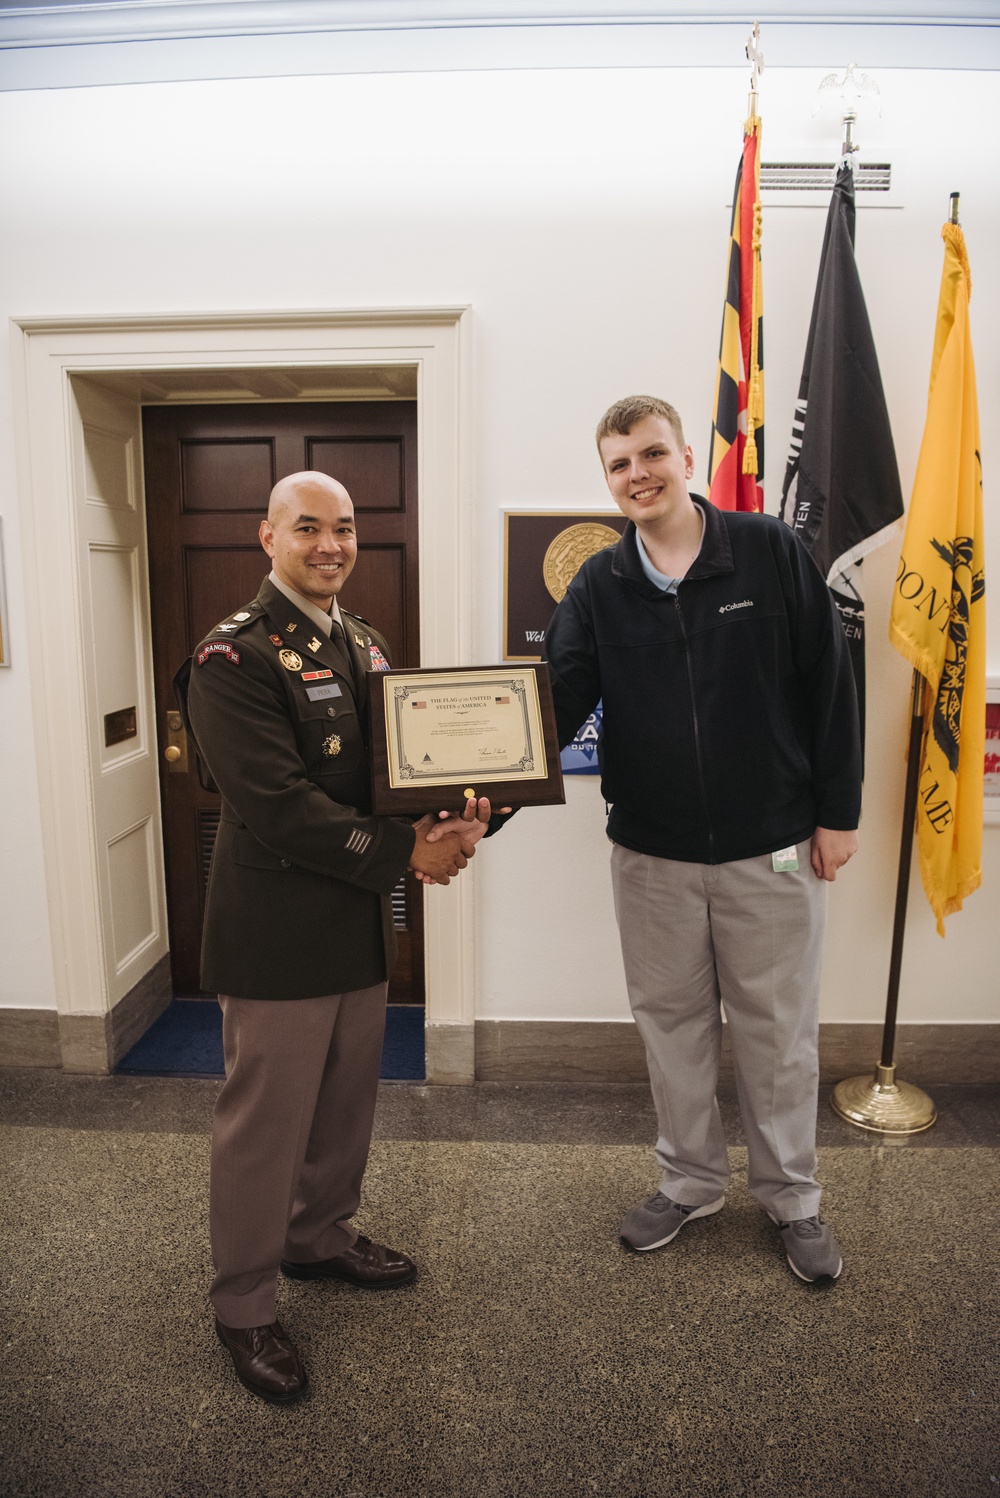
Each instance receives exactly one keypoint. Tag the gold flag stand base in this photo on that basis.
(882, 1104)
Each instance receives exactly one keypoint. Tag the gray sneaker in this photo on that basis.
(811, 1249)
(658, 1220)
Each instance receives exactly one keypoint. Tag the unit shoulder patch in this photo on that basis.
(218, 647)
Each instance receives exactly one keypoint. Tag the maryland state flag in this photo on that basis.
(938, 615)
(841, 493)
(736, 456)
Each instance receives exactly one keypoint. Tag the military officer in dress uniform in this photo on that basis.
(298, 935)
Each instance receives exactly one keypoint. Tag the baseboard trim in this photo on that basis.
(89, 1043)
(610, 1051)
(29, 1037)
(450, 1054)
(558, 1051)
(508, 1050)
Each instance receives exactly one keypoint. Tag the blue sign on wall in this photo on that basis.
(580, 757)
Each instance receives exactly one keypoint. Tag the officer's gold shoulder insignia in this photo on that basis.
(290, 659)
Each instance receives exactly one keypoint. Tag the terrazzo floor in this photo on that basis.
(534, 1355)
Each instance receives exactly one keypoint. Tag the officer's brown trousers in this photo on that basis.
(290, 1139)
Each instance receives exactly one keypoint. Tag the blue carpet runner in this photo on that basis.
(186, 1041)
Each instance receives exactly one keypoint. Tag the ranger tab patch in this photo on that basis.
(379, 662)
(218, 647)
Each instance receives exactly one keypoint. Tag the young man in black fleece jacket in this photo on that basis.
(732, 760)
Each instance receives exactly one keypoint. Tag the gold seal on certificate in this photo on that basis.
(439, 736)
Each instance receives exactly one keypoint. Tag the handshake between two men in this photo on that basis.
(445, 844)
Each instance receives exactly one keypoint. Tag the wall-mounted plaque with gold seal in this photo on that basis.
(543, 551)
(439, 737)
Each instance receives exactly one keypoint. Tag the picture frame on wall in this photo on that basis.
(542, 552)
(4, 625)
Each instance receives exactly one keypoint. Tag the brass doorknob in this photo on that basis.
(171, 754)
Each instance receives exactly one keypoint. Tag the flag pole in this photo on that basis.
(880, 1102)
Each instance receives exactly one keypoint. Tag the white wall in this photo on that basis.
(584, 217)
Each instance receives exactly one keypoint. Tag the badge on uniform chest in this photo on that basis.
(321, 693)
(331, 745)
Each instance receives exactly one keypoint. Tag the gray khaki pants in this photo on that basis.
(290, 1139)
(693, 935)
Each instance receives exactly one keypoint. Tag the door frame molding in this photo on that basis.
(46, 352)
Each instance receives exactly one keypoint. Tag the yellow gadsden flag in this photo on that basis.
(938, 615)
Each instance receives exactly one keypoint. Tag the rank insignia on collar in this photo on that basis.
(314, 644)
(243, 614)
(276, 640)
(290, 659)
(291, 628)
(379, 662)
(359, 642)
(331, 744)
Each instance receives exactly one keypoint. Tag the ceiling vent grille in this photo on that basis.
(803, 176)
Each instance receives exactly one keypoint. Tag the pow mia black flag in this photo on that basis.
(841, 492)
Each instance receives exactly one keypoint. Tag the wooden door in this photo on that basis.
(209, 471)
(124, 779)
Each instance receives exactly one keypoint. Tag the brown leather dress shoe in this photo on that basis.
(265, 1360)
(370, 1265)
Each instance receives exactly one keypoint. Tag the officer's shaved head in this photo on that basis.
(295, 488)
(309, 535)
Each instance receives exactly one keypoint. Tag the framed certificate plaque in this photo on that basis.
(439, 737)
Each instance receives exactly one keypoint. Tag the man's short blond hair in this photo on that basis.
(620, 418)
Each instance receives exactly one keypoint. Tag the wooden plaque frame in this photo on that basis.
(389, 800)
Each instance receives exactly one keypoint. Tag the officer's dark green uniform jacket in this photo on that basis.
(298, 896)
